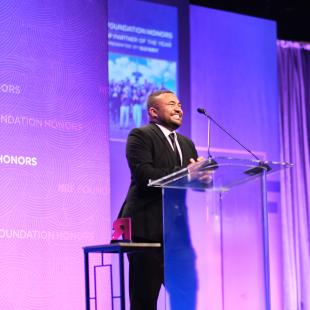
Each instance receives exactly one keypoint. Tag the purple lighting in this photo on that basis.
(234, 77)
(54, 160)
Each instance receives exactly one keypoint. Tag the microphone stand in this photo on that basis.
(211, 163)
(209, 130)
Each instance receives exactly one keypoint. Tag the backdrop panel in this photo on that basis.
(234, 77)
(54, 159)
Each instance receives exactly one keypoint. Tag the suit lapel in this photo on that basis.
(184, 150)
(167, 147)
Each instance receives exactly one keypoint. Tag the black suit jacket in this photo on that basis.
(150, 156)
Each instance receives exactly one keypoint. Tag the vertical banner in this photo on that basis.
(234, 78)
(143, 55)
(146, 53)
(54, 158)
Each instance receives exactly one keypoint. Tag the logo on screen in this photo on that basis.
(10, 89)
(18, 160)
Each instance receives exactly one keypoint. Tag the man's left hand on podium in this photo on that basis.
(197, 173)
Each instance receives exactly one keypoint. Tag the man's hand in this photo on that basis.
(195, 172)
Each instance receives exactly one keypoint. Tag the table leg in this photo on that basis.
(121, 280)
(86, 270)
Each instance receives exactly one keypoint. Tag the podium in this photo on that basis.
(215, 225)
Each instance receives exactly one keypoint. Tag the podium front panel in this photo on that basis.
(216, 235)
(213, 248)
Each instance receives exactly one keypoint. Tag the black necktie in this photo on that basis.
(175, 149)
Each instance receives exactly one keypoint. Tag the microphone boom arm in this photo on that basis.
(203, 111)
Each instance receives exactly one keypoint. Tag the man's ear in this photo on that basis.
(153, 112)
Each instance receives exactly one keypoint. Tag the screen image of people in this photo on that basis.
(131, 80)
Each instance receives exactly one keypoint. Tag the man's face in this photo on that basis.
(167, 111)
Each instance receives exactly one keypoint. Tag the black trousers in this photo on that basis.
(146, 275)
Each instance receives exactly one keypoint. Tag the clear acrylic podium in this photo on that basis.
(216, 235)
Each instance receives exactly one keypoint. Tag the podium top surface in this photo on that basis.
(124, 247)
(220, 174)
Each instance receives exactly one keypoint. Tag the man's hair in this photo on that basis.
(151, 100)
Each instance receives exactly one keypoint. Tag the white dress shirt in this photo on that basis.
(167, 132)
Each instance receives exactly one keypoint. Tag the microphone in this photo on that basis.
(252, 171)
(202, 111)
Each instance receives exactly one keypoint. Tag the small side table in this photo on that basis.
(117, 248)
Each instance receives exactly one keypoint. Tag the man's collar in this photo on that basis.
(165, 131)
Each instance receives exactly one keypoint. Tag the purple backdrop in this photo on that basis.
(234, 77)
(54, 158)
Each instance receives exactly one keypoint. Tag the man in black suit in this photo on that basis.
(151, 154)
